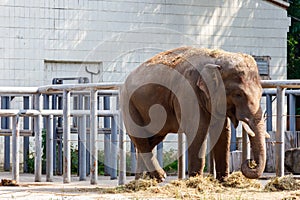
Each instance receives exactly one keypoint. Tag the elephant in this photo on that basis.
(196, 92)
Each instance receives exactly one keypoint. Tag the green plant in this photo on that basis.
(74, 159)
(31, 157)
(170, 161)
(293, 45)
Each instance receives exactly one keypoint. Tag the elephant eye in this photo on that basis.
(238, 95)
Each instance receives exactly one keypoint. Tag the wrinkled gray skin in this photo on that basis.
(292, 160)
(237, 73)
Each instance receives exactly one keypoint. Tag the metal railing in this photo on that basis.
(92, 89)
(38, 113)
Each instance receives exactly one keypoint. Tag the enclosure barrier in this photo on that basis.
(281, 86)
(37, 112)
(92, 89)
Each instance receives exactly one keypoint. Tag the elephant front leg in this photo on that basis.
(196, 159)
(196, 154)
(141, 167)
(221, 152)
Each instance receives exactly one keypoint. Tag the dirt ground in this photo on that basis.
(109, 189)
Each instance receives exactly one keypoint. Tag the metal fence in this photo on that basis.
(42, 115)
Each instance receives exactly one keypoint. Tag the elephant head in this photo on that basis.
(243, 90)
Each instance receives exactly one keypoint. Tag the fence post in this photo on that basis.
(49, 148)
(122, 147)
(132, 158)
(66, 137)
(280, 132)
(269, 112)
(26, 138)
(93, 138)
(292, 112)
(106, 106)
(181, 156)
(15, 148)
(88, 138)
(160, 159)
(82, 141)
(38, 138)
(233, 140)
(114, 148)
(5, 125)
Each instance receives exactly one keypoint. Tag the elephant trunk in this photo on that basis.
(254, 168)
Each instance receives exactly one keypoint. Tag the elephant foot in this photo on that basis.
(192, 174)
(221, 177)
(160, 176)
(142, 175)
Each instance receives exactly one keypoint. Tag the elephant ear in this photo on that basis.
(210, 80)
(211, 84)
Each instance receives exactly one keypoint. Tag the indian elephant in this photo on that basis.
(195, 91)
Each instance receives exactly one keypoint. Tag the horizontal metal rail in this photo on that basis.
(78, 87)
(280, 83)
(108, 89)
(31, 112)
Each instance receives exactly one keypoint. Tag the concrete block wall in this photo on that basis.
(122, 34)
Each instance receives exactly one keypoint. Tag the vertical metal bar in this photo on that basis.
(82, 142)
(280, 132)
(132, 158)
(66, 137)
(59, 140)
(106, 106)
(186, 161)
(233, 138)
(49, 148)
(292, 112)
(15, 148)
(5, 125)
(26, 138)
(93, 138)
(38, 139)
(122, 147)
(160, 159)
(76, 122)
(88, 138)
(269, 112)
(181, 156)
(114, 149)
(54, 106)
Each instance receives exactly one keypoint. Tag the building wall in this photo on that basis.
(39, 40)
(122, 34)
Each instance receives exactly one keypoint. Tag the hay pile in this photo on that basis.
(205, 184)
(140, 184)
(238, 180)
(282, 183)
